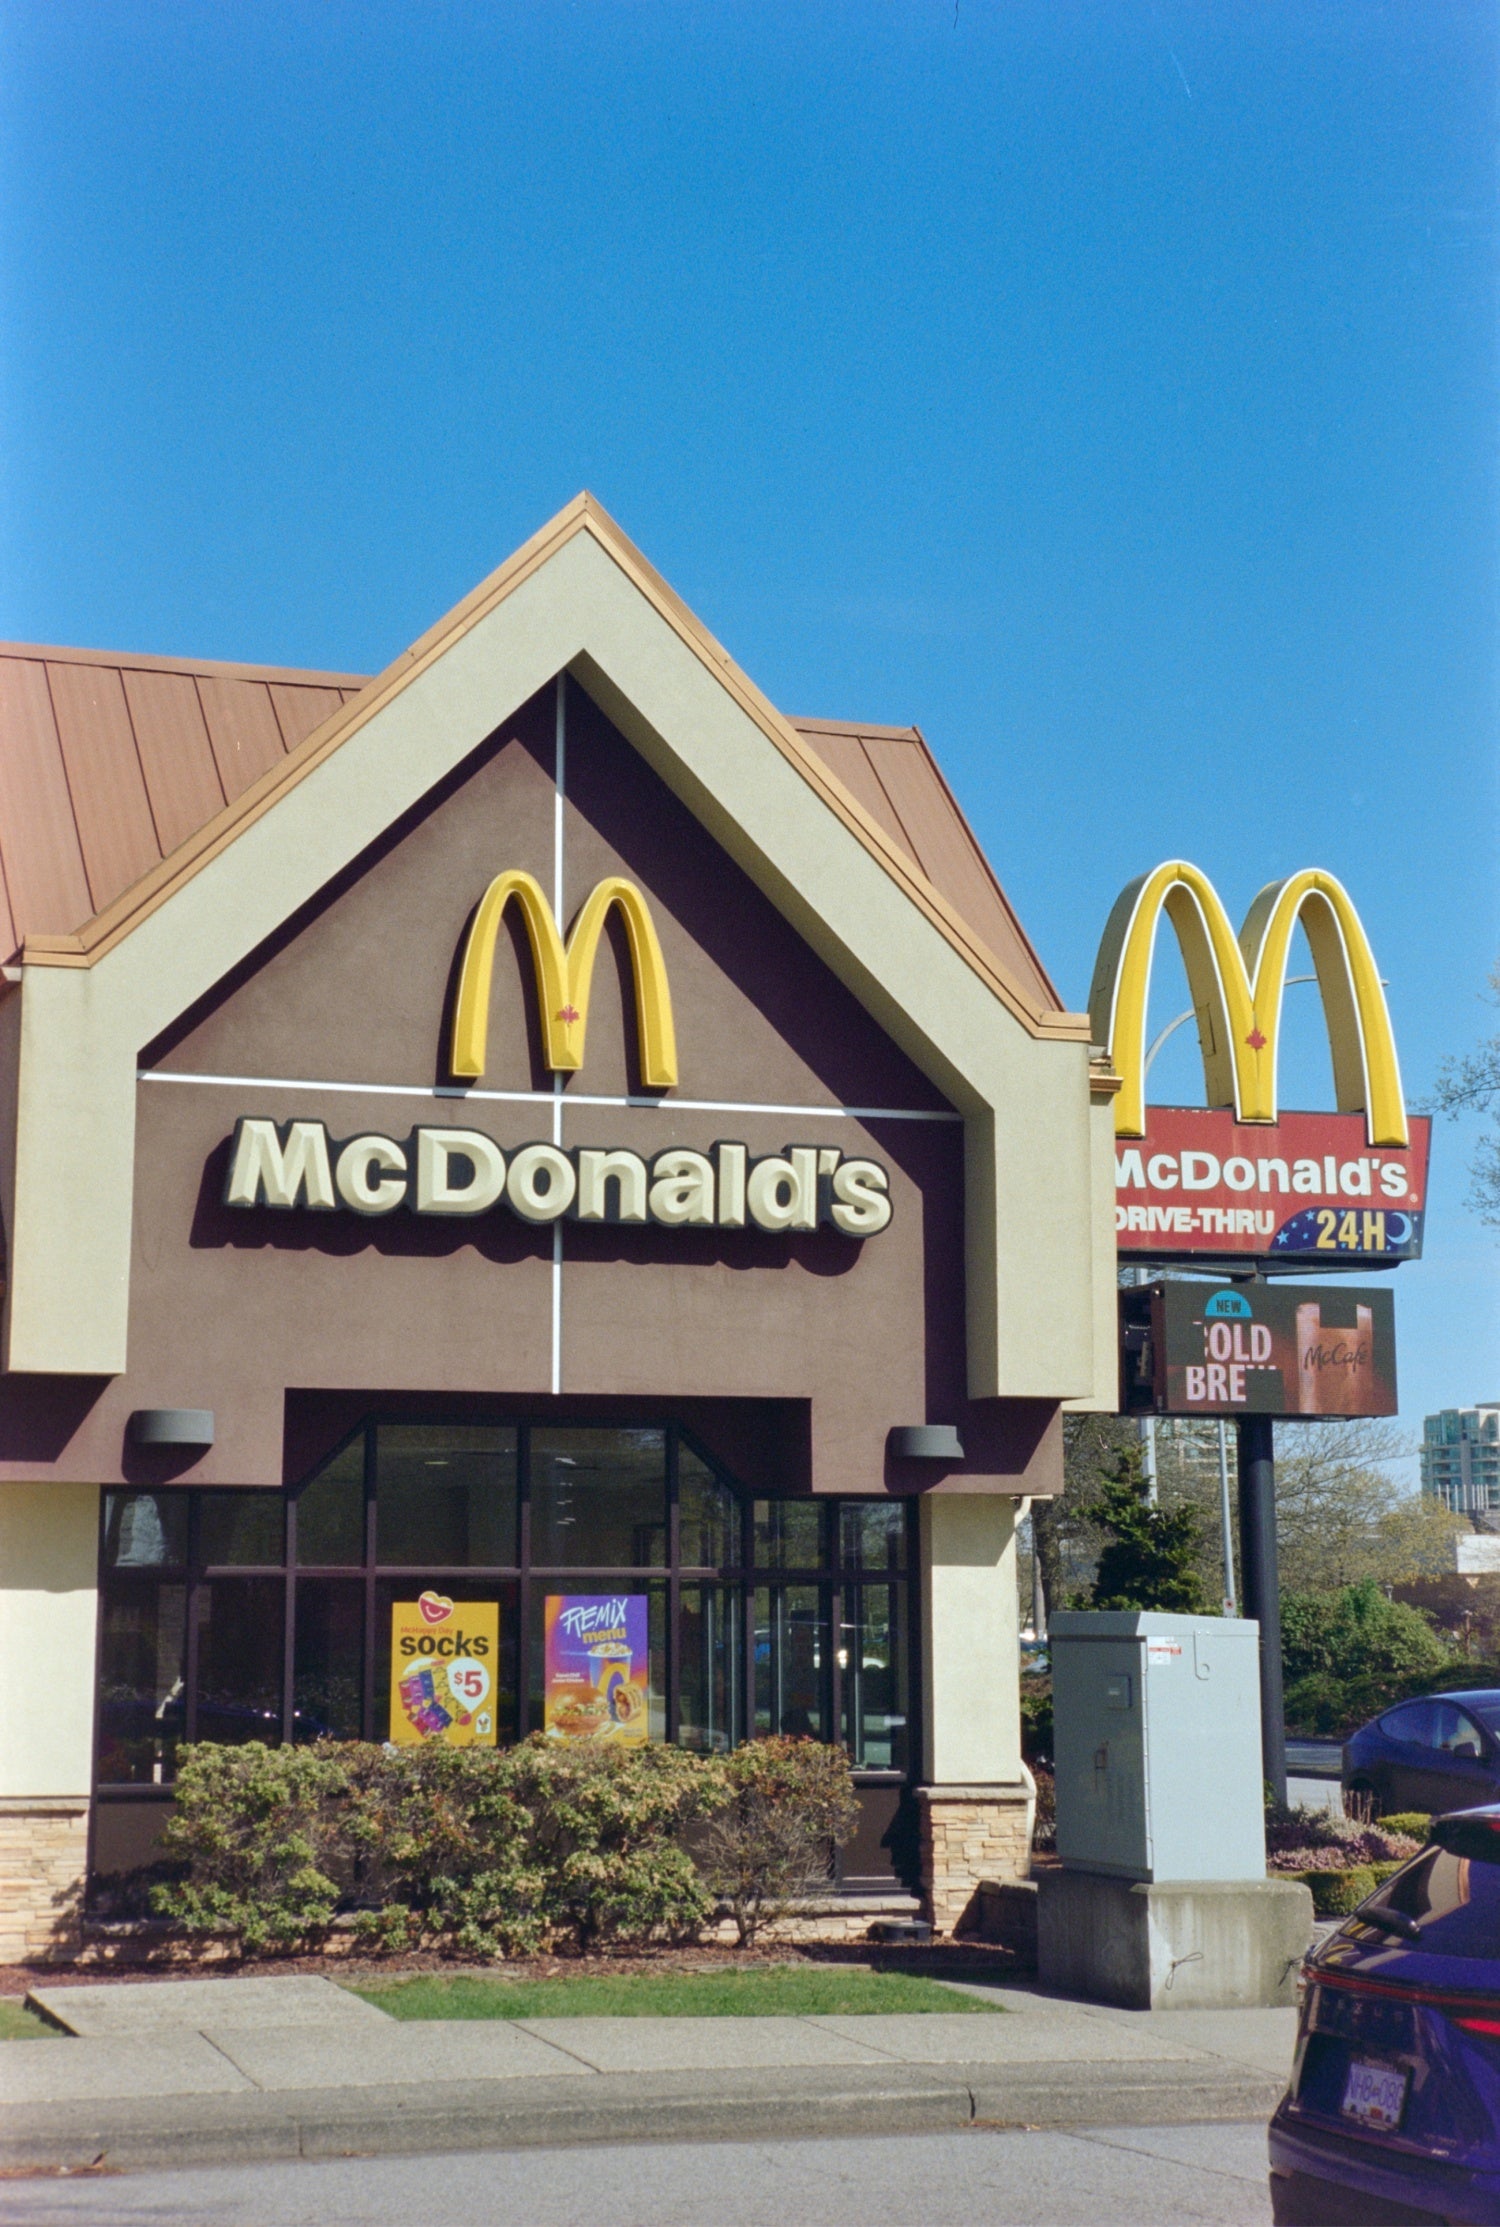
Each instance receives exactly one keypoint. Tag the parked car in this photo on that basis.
(1442, 1752)
(1393, 2112)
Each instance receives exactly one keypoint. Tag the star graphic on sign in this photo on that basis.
(568, 1013)
(1256, 1041)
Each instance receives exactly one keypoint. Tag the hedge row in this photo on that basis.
(496, 1852)
(1338, 1894)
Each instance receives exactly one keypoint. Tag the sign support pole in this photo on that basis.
(1260, 1586)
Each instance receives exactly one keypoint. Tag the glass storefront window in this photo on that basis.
(329, 1663)
(710, 1639)
(708, 1516)
(792, 1661)
(331, 1512)
(197, 1586)
(142, 1670)
(873, 1677)
(789, 1535)
(241, 1530)
(240, 1668)
(872, 1535)
(598, 1499)
(445, 1496)
(145, 1530)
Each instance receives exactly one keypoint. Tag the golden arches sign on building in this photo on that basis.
(564, 977)
(1236, 984)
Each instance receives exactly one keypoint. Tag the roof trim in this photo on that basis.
(134, 661)
(100, 935)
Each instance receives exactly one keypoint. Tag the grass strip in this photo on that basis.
(17, 2023)
(780, 1992)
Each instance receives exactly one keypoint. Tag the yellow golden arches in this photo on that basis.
(1236, 986)
(564, 977)
(1366, 1073)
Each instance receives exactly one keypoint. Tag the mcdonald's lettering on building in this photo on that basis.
(535, 1143)
(1239, 1176)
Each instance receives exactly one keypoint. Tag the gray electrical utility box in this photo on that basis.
(1156, 1744)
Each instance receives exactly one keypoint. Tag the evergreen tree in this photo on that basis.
(1151, 1555)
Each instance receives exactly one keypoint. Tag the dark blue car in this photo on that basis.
(1442, 1752)
(1393, 2112)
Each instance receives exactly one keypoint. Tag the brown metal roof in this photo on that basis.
(109, 762)
(893, 774)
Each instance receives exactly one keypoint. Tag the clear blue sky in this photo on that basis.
(1109, 388)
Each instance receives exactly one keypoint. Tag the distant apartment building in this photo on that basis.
(1461, 1458)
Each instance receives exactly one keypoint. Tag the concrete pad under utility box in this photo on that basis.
(158, 2006)
(1198, 1944)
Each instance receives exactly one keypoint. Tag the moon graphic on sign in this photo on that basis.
(1405, 1236)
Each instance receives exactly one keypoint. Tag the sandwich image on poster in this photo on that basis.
(444, 1656)
(597, 1668)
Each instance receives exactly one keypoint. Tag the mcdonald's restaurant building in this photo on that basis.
(535, 1138)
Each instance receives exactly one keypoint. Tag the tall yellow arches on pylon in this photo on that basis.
(1236, 986)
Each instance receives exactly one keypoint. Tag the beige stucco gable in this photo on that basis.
(1040, 1258)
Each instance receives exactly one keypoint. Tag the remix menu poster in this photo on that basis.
(597, 1667)
(444, 1659)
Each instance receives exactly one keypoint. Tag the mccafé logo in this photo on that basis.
(1236, 987)
(564, 977)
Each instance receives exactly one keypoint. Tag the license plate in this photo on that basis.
(1375, 2096)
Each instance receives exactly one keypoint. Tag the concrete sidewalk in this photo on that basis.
(204, 2071)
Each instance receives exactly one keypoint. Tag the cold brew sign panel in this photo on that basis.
(1260, 1349)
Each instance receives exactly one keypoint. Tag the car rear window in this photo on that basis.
(1488, 1713)
(1454, 1899)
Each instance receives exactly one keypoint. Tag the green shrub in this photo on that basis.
(606, 1826)
(1337, 1894)
(444, 1844)
(1416, 1823)
(1037, 1742)
(259, 1831)
(790, 1802)
(1351, 1653)
(492, 1852)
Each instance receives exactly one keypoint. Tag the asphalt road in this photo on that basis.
(1129, 2176)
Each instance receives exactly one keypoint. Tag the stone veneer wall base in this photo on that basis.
(43, 1861)
(971, 1835)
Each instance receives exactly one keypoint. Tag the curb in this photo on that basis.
(140, 2132)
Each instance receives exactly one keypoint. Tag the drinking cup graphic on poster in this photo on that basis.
(443, 1659)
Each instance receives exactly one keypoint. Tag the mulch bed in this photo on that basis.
(933, 1960)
